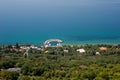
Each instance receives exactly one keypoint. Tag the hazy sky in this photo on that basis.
(61, 12)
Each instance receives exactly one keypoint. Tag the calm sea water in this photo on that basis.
(73, 21)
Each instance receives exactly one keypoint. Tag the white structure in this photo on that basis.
(47, 43)
(97, 53)
(80, 50)
(33, 47)
(66, 51)
(24, 47)
(15, 69)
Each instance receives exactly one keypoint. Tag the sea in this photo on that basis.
(72, 21)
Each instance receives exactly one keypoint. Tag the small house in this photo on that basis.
(103, 48)
(81, 50)
(97, 53)
(66, 51)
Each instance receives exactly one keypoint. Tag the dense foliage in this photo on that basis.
(55, 64)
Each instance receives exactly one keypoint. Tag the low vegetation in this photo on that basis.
(55, 64)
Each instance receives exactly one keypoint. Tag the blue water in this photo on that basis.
(73, 21)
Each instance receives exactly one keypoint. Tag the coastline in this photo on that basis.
(93, 42)
(71, 42)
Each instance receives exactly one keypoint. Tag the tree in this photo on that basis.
(17, 45)
(9, 75)
(38, 71)
(8, 64)
(26, 68)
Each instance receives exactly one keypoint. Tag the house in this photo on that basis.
(103, 48)
(97, 53)
(24, 47)
(80, 50)
(66, 51)
(33, 47)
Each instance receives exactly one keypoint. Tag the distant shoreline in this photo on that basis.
(67, 42)
(74, 44)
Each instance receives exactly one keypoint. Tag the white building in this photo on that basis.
(97, 53)
(66, 51)
(34, 47)
(24, 47)
(80, 50)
